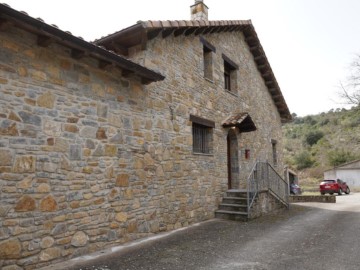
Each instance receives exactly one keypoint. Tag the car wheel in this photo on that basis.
(340, 191)
(347, 190)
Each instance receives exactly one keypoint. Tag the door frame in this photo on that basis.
(232, 159)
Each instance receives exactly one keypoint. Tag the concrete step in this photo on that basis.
(234, 200)
(240, 193)
(233, 207)
(231, 215)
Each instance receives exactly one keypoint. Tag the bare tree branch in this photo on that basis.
(350, 92)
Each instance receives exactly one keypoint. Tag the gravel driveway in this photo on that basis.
(308, 236)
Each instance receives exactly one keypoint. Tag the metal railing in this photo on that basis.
(264, 177)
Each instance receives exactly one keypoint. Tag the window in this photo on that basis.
(201, 138)
(208, 64)
(247, 153)
(230, 74)
(274, 152)
(202, 133)
(208, 50)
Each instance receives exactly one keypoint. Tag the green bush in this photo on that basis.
(338, 157)
(313, 137)
(303, 160)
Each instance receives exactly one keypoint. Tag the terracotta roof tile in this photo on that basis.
(241, 120)
(182, 23)
(175, 23)
(203, 23)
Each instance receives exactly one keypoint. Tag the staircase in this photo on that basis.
(244, 203)
(234, 206)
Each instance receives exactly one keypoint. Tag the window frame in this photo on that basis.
(230, 74)
(202, 135)
(208, 58)
(274, 152)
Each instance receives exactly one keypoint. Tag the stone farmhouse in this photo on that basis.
(139, 132)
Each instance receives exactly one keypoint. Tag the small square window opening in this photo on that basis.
(202, 139)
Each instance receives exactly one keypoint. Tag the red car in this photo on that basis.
(334, 186)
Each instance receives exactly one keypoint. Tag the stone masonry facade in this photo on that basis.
(90, 159)
(186, 91)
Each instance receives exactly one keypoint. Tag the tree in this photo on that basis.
(338, 157)
(313, 137)
(351, 89)
(304, 160)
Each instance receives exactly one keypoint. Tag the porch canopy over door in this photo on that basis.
(241, 120)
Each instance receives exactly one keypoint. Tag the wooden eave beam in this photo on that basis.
(144, 40)
(167, 32)
(234, 28)
(273, 90)
(189, 31)
(4, 24)
(145, 81)
(266, 73)
(227, 29)
(44, 41)
(258, 57)
(278, 99)
(278, 103)
(200, 31)
(250, 38)
(105, 64)
(77, 54)
(207, 30)
(214, 29)
(220, 29)
(154, 33)
(116, 47)
(255, 48)
(126, 73)
(262, 66)
(180, 31)
(269, 82)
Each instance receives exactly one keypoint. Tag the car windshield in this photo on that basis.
(329, 181)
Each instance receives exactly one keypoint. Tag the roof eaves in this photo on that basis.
(251, 38)
(66, 38)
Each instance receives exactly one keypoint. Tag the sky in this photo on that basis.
(309, 43)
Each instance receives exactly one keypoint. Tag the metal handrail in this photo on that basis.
(264, 177)
(252, 188)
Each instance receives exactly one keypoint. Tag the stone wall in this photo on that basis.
(187, 91)
(89, 159)
(312, 198)
(264, 204)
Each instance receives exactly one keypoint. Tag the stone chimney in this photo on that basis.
(199, 11)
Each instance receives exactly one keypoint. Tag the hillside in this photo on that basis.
(318, 142)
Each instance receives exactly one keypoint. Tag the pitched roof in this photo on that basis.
(51, 33)
(141, 32)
